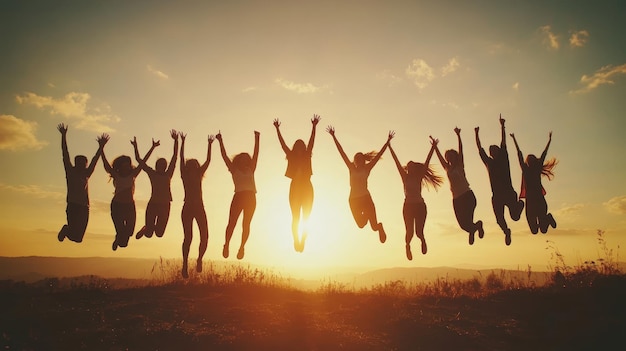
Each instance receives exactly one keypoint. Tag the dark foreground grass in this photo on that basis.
(257, 317)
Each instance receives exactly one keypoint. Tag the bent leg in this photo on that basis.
(249, 207)
(162, 217)
(359, 213)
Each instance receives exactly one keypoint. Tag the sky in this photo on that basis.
(419, 68)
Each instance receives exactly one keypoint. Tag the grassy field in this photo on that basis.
(237, 308)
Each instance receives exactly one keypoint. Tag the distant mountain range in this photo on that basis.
(32, 269)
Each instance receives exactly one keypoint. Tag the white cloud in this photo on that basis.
(578, 38)
(387, 76)
(549, 38)
(602, 76)
(452, 65)
(248, 89)
(616, 205)
(569, 210)
(420, 72)
(157, 73)
(74, 106)
(18, 134)
(300, 88)
(33, 190)
(516, 86)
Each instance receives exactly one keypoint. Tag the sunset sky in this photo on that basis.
(420, 68)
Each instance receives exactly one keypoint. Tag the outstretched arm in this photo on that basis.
(227, 160)
(146, 157)
(205, 165)
(382, 150)
(520, 157)
(142, 164)
(102, 140)
(105, 163)
(280, 137)
(481, 151)
(503, 141)
(457, 130)
(398, 165)
(182, 152)
(545, 151)
(255, 154)
(172, 165)
(314, 121)
(434, 142)
(66, 154)
(344, 157)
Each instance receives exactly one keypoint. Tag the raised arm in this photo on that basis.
(344, 157)
(397, 162)
(105, 163)
(457, 130)
(545, 151)
(503, 141)
(227, 160)
(481, 151)
(520, 157)
(182, 152)
(146, 157)
(172, 165)
(434, 142)
(390, 136)
(67, 163)
(314, 121)
(102, 140)
(142, 165)
(205, 165)
(280, 137)
(255, 154)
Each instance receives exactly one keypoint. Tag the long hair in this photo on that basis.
(119, 162)
(546, 169)
(242, 161)
(427, 175)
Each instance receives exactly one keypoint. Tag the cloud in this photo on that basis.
(569, 210)
(616, 205)
(387, 76)
(300, 88)
(451, 66)
(515, 86)
(248, 89)
(579, 38)
(17, 134)
(157, 73)
(74, 106)
(420, 72)
(550, 39)
(33, 191)
(602, 76)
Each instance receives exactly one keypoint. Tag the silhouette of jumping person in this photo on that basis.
(463, 198)
(532, 169)
(499, 170)
(158, 209)
(242, 169)
(414, 175)
(301, 190)
(123, 211)
(360, 200)
(192, 173)
(77, 179)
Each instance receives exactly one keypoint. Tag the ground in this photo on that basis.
(252, 317)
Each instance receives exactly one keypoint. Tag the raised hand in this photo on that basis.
(457, 130)
(174, 134)
(476, 130)
(211, 139)
(391, 135)
(182, 136)
(512, 136)
(433, 141)
(62, 128)
(501, 120)
(550, 135)
(155, 143)
(102, 139)
(315, 120)
(218, 136)
(331, 130)
(276, 123)
(256, 133)
(134, 141)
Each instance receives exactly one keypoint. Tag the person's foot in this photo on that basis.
(507, 236)
(518, 213)
(62, 233)
(225, 252)
(141, 232)
(115, 245)
(409, 254)
(382, 236)
(552, 221)
(184, 271)
(481, 231)
(199, 265)
(240, 253)
(471, 238)
(424, 247)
